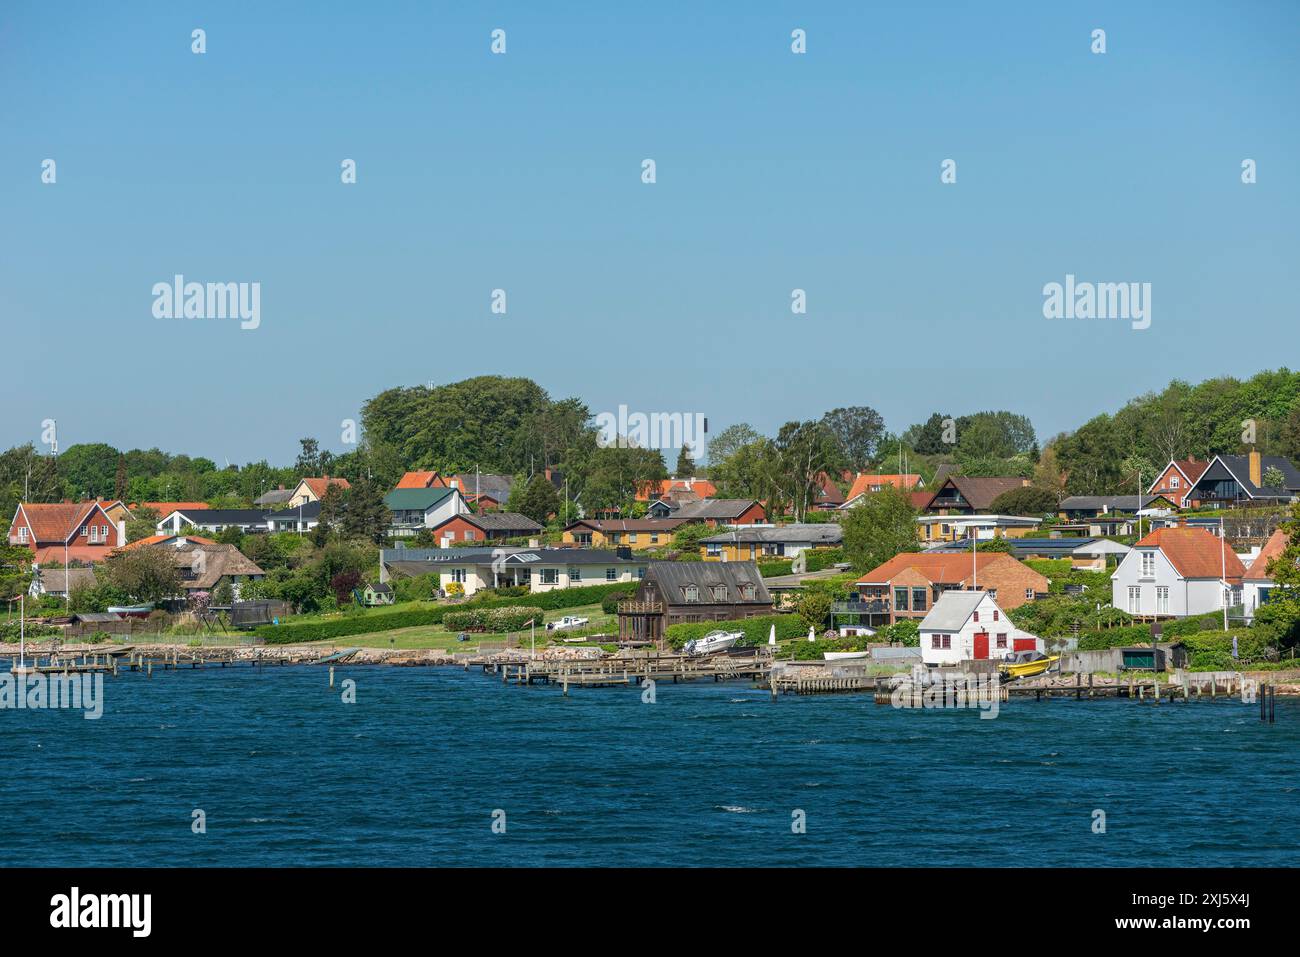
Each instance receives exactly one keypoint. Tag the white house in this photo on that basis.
(418, 508)
(1177, 572)
(541, 569)
(969, 626)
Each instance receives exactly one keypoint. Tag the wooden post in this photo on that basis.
(151, 669)
(331, 676)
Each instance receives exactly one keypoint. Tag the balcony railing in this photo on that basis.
(640, 608)
(877, 606)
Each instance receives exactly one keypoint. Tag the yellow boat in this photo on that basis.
(1027, 664)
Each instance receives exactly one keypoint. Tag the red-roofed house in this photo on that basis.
(420, 480)
(313, 489)
(66, 531)
(672, 488)
(166, 508)
(1178, 479)
(1177, 572)
(908, 585)
(864, 483)
(1257, 582)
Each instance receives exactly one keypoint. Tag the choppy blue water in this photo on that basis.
(710, 774)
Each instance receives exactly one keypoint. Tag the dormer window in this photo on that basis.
(719, 592)
(691, 592)
(747, 591)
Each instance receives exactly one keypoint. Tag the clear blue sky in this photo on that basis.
(522, 171)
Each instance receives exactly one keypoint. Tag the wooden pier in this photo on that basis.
(754, 666)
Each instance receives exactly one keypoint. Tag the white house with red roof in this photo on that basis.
(64, 532)
(1177, 572)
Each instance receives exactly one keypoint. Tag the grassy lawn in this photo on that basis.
(435, 636)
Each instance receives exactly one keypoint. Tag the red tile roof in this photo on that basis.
(55, 522)
(89, 554)
(662, 489)
(417, 480)
(1195, 553)
(864, 481)
(1275, 546)
(319, 485)
(946, 569)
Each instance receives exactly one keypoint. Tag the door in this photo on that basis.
(981, 645)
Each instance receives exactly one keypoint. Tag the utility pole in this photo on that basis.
(1223, 565)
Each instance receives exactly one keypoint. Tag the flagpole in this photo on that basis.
(1223, 564)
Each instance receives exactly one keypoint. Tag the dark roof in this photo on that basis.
(423, 499)
(1239, 465)
(380, 587)
(672, 578)
(306, 511)
(277, 496)
(1127, 503)
(980, 491)
(500, 522)
(716, 508)
(498, 486)
(813, 533)
(628, 524)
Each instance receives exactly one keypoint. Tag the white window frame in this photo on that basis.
(1148, 564)
(1162, 599)
(1134, 599)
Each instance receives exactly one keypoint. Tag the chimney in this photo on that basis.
(1256, 468)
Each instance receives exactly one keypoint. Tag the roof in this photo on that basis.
(485, 484)
(1126, 503)
(980, 491)
(216, 563)
(416, 499)
(952, 610)
(945, 568)
(628, 525)
(417, 480)
(379, 587)
(57, 522)
(1275, 546)
(667, 487)
(319, 485)
(1102, 546)
(298, 512)
(159, 539)
(55, 579)
(166, 508)
(496, 521)
(814, 533)
(1191, 469)
(224, 516)
(865, 482)
(1239, 466)
(673, 577)
(715, 508)
(274, 497)
(1195, 552)
(421, 561)
(72, 553)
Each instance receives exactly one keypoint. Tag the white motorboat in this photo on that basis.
(844, 655)
(713, 642)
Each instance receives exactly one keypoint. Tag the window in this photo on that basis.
(1162, 600)
(918, 599)
(583, 538)
(719, 592)
(935, 641)
(640, 572)
(550, 576)
(1029, 594)
(1134, 598)
(995, 615)
(993, 593)
(1148, 564)
(1002, 639)
(22, 534)
(469, 535)
(691, 592)
(900, 599)
(611, 574)
(83, 531)
(977, 617)
(1173, 481)
(947, 641)
(747, 591)
(575, 574)
(713, 549)
(654, 538)
(458, 575)
(631, 537)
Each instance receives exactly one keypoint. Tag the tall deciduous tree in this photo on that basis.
(857, 430)
(880, 527)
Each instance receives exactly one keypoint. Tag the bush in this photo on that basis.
(35, 631)
(906, 632)
(609, 604)
(756, 629)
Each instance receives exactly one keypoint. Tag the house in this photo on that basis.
(1257, 583)
(377, 593)
(482, 489)
(712, 511)
(864, 483)
(301, 519)
(116, 511)
(59, 581)
(540, 569)
(678, 592)
(1175, 573)
(420, 480)
(1098, 555)
(65, 532)
(1241, 480)
(161, 509)
(207, 566)
(483, 527)
(944, 528)
(213, 520)
(637, 533)
(969, 495)
(275, 498)
(909, 584)
(1176, 480)
(749, 542)
(313, 489)
(415, 509)
(1094, 506)
(970, 626)
(828, 496)
(672, 488)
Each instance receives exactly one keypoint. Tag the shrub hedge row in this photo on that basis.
(756, 629)
(509, 618)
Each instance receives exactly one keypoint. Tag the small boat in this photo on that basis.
(844, 655)
(1026, 664)
(713, 642)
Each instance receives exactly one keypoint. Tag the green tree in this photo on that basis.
(1029, 501)
(146, 574)
(880, 527)
(814, 605)
(685, 467)
(539, 500)
(857, 431)
(365, 515)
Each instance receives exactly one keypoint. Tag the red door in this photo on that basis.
(981, 644)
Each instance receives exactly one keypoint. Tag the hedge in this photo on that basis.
(819, 559)
(495, 620)
(321, 630)
(756, 629)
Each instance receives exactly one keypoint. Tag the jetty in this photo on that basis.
(750, 664)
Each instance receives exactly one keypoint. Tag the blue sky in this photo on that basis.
(522, 172)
